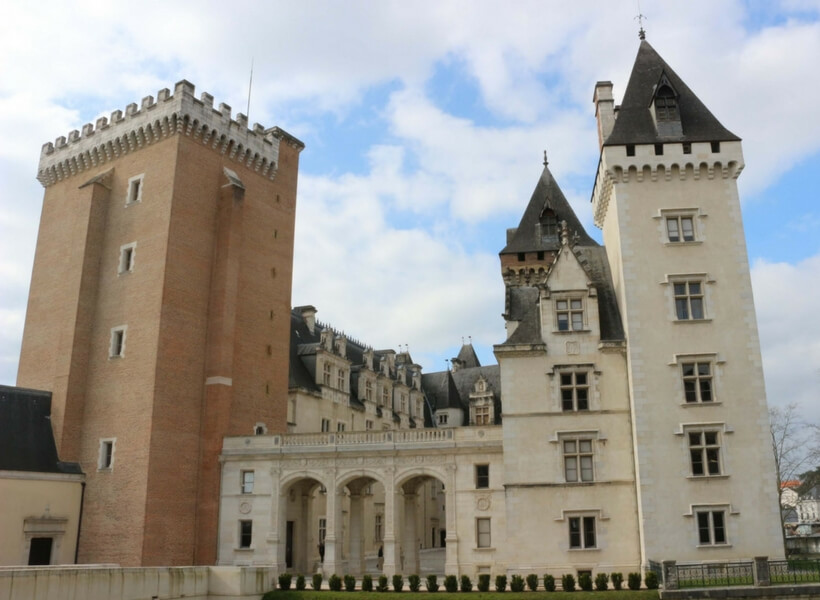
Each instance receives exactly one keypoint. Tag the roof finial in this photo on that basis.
(639, 19)
(546, 162)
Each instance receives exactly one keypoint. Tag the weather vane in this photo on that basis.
(639, 19)
(545, 158)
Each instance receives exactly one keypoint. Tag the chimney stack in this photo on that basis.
(604, 110)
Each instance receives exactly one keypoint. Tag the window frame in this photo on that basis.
(325, 425)
(575, 315)
(482, 414)
(693, 383)
(483, 533)
(127, 258)
(116, 343)
(133, 192)
(574, 387)
(706, 523)
(246, 484)
(105, 457)
(682, 299)
(245, 534)
(705, 456)
(327, 372)
(582, 537)
(482, 476)
(680, 231)
(578, 455)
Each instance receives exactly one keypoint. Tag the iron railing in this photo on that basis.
(721, 574)
(795, 570)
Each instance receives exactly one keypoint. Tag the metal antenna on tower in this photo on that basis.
(250, 84)
(639, 19)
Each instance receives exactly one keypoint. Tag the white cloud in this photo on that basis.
(786, 301)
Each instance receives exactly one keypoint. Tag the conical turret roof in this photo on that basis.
(634, 123)
(529, 237)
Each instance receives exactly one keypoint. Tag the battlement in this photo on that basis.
(154, 120)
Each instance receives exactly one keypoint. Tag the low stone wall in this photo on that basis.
(100, 582)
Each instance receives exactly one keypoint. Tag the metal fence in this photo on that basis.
(712, 574)
(795, 570)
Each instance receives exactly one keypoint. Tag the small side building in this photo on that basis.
(40, 496)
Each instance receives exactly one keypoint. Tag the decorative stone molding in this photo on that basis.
(155, 120)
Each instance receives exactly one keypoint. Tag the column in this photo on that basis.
(451, 539)
(355, 563)
(277, 516)
(333, 552)
(390, 520)
(410, 544)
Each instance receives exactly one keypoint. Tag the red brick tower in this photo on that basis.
(159, 311)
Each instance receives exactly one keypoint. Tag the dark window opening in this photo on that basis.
(630, 149)
(245, 533)
(521, 257)
(40, 551)
(482, 476)
(549, 224)
(687, 148)
(658, 149)
(715, 147)
(540, 255)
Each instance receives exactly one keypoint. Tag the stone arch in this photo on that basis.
(421, 526)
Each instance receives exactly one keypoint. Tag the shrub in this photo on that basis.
(335, 583)
(367, 583)
(466, 584)
(568, 582)
(451, 583)
(532, 582)
(585, 582)
(398, 582)
(651, 580)
(617, 580)
(414, 581)
(549, 583)
(601, 582)
(284, 581)
(382, 585)
(517, 583)
(633, 581)
(432, 583)
(500, 583)
(317, 581)
(484, 582)
(350, 583)
(300, 582)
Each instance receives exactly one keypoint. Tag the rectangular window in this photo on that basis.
(377, 531)
(326, 374)
(521, 257)
(482, 415)
(134, 190)
(680, 229)
(578, 460)
(697, 382)
(247, 482)
(322, 530)
(106, 458)
(689, 300)
(245, 534)
(574, 391)
(385, 396)
(403, 402)
(704, 450)
(715, 146)
(659, 147)
(126, 262)
(116, 348)
(340, 379)
(340, 426)
(325, 425)
(582, 532)
(687, 147)
(442, 419)
(570, 314)
(711, 527)
(368, 424)
(482, 476)
(630, 149)
(482, 529)
(368, 390)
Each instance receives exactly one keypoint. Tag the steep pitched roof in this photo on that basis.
(547, 194)
(634, 123)
(468, 357)
(26, 438)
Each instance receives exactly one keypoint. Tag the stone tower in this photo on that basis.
(158, 313)
(666, 199)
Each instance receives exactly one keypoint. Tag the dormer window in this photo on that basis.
(666, 105)
(549, 225)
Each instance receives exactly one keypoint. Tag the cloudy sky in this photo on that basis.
(425, 124)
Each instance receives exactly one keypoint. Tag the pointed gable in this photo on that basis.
(636, 122)
(547, 208)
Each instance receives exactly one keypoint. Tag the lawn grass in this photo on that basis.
(577, 595)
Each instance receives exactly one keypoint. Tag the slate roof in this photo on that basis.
(451, 389)
(26, 437)
(547, 193)
(634, 123)
(468, 357)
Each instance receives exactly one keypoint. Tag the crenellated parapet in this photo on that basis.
(153, 120)
(616, 167)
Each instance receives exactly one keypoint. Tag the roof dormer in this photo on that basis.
(665, 108)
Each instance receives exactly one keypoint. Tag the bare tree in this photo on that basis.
(795, 446)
